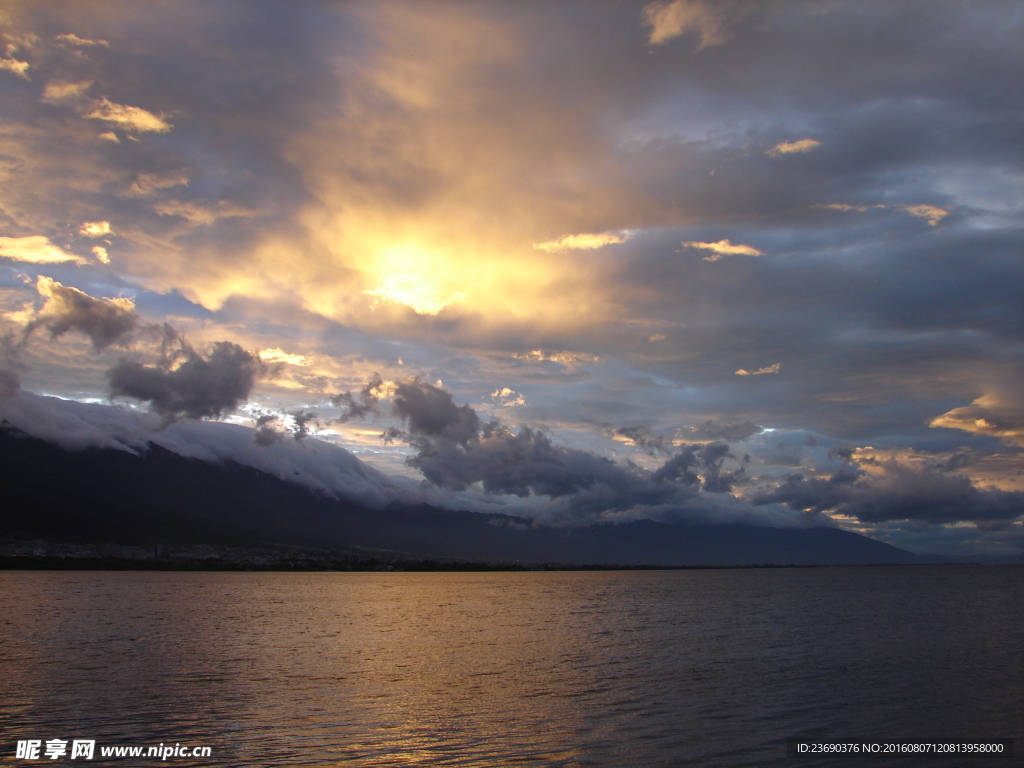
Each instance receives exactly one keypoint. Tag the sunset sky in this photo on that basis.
(783, 236)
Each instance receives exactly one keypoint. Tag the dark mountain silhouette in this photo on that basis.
(161, 497)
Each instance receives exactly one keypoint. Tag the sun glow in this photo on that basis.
(408, 275)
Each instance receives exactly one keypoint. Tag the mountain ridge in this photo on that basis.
(103, 494)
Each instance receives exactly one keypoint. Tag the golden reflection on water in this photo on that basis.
(698, 668)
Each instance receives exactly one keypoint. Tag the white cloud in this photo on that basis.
(793, 147)
(722, 248)
(507, 397)
(94, 229)
(130, 118)
(760, 371)
(669, 20)
(325, 468)
(36, 249)
(14, 66)
(582, 242)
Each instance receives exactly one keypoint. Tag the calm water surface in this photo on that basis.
(662, 668)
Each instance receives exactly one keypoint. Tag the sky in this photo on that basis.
(582, 261)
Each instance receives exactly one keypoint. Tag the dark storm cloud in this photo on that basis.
(189, 383)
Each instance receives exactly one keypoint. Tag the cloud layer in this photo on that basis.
(622, 225)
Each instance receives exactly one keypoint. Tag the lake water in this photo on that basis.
(641, 668)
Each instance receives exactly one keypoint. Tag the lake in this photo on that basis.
(634, 668)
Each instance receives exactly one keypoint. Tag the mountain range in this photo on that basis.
(155, 495)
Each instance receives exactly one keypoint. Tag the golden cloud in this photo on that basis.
(70, 38)
(130, 118)
(760, 371)
(722, 248)
(584, 242)
(669, 20)
(37, 250)
(200, 214)
(55, 92)
(148, 183)
(793, 147)
(94, 229)
(277, 355)
(986, 417)
(19, 68)
(932, 213)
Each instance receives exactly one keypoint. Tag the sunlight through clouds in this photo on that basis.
(593, 220)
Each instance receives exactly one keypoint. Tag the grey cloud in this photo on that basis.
(361, 404)
(9, 382)
(646, 440)
(10, 352)
(197, 386)
(432, 413)
(264, 434)
(454, 450)
(730, 433)
(104, 321)
(931, 494)
(640, 437)
(706, 459)
(301, 421)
